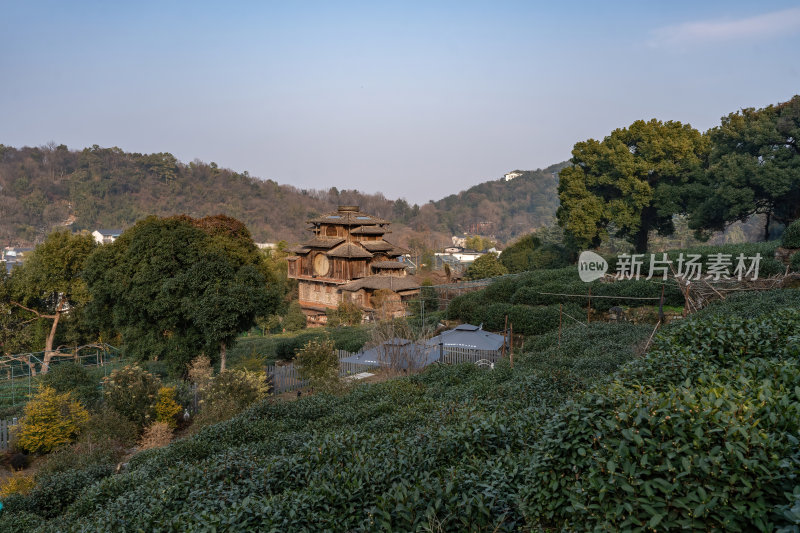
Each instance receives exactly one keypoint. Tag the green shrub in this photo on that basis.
(794, 262)
(791, 235)
(463, 448)
(295, 319)
(133, 393)
(73, 378)
(104, 440)
(51, 420)
(346, 314)
(20, 522)
(593, 351)
(318, 363)
(682, 452)
(166, 408)
(238, 388)
(55, 492)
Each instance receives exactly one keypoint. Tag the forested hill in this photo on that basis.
(506, 209)
(46, 187)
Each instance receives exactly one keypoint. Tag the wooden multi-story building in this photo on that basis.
(349, 259)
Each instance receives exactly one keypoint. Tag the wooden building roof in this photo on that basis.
(348, 215)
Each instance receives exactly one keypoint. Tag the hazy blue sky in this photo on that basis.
(413, 99)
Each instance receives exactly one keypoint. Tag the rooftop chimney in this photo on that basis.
(348, 209)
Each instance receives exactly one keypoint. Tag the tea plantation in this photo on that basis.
(700, 433)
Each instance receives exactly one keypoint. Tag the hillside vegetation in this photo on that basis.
(45, 187)
(701, 432)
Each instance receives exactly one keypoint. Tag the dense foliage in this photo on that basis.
(754, 167)
(485, 266)
(317, 362)
(49, 186)
(133, 393)
(545, 445)
(791, 236)
(530, 253)
(630, 181)
(285, 346)
(193, 286)
(48, 290)
(51, 419)
(72, 377)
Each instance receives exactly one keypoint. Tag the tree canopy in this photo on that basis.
(486, 266)
(176, 287)
(530, 253)
(630, 183)
(45, 288)
(754, 167)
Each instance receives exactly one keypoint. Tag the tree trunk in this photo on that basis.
(223, 355)
(48, 345)
(640, 240)
(766, 227)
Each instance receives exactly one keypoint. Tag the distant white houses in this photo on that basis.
(266, 245)
(106, 236)
(460, 257)
(511, 175)
(11, 256)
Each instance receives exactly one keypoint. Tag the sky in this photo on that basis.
(412, 99)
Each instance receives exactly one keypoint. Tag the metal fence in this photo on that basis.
(286, 378)
(5, 433)
(19, 372)
(454, 355)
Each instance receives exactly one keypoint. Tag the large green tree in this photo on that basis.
(485, 266)
(630, 183)
(754, 168)
(48, 286)
(176, 287)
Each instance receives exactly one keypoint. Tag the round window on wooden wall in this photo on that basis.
(321, 265)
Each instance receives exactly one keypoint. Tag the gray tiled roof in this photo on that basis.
(349, 250)
(377, 282)
(388, 264)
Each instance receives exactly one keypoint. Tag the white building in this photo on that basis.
(106, 236)
(511, 175)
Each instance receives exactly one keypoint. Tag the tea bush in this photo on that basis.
(794, 262)
(791, 235)
(680, 449)
(545, 445)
